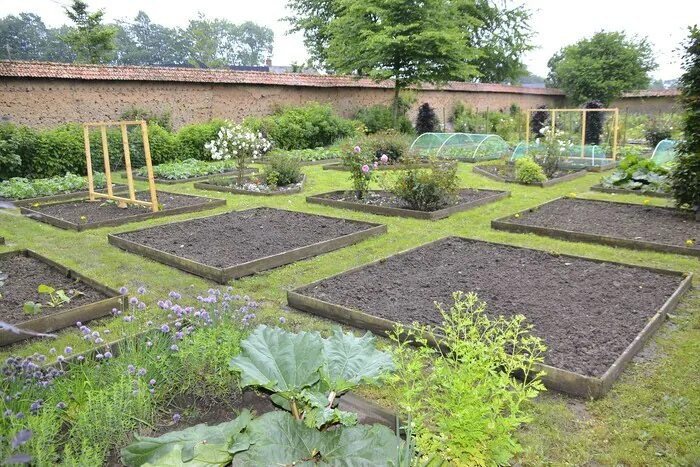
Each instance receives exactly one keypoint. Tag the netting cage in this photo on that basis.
(571, 155)
(466, 147)
(665, 152)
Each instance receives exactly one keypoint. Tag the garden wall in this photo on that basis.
(649, 102)
(47, 94)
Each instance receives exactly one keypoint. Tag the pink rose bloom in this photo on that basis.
(365, 168)
(376, 164)
(384, 158)
(357, 149)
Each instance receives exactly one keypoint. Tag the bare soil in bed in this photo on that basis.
(586, 312)
(238, 237)
(101, 210)
(387, 199)
(25, 275)
(628, 221)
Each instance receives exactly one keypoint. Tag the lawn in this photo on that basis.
(650, 417)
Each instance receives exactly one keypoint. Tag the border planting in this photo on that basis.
(555, 181)
(227, 189)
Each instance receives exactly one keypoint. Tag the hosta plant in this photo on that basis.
(307, 374)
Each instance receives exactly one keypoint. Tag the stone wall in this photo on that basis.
(650, 105)
(44, 102)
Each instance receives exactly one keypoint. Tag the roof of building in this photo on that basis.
(653, 93)
(49, 70)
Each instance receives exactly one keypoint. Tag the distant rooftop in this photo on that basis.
(653, 93)
(49, 70)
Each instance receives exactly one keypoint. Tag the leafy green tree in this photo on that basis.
(602, 67)
(393, 39)
(23, 37)
(494, 34)
(685, 177)
(141, 42)
(92, 41)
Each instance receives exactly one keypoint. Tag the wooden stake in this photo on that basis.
(583, 134)
(149, 166)
(614, 151)
(88, 160)
(127, 162)
(108, 170)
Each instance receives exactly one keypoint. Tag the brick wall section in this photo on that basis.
(650, 102)
(44, 94)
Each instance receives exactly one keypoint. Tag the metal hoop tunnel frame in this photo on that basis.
(153, 204)
(615, 111)
(474, 139)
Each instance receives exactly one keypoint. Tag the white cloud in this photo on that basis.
(557, 22)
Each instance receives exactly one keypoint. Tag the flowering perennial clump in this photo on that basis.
(238, 143)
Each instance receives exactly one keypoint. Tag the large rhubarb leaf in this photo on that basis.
(197, 446)
(351, 360)
(279, 360)
(282, 440)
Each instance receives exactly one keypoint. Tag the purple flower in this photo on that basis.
(142, 371)
(52, 351)
(80, 358)
(141, 306)
(376, 164)
(152, 382)
(60, 358)
(384, 158)
(41, 358)
(95, 334)
(135, 391)
(283, 319)
(61, 405)
(174, 347)
(106, 331)
(19, 415)
(149, 343)
(142, 290)
(8, 412)
(79, 324)
(131, 369)
(127, 319)
(108, 354)
(151, 390)
(365, 168)
(123, 290)
(165, 328)
(99, 340)
(175, 295)
(68, 350)
(99, 356)
(133, 300)
(357, 149)
(176, 417)
(149, 323)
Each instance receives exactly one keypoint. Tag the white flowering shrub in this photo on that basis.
(238, 143)
(556, 146)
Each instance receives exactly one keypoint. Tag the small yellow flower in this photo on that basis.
(82, 218)
(689, 242)
(572, 195)
(36, 205)
(646, 201)
(517, 216)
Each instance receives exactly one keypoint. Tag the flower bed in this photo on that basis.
(84, 214)
(24, 272)
(385, 166)
(628, 225)
(265, 238)
(506, 174)
(230, 185)
(308, 156)
(591, 332)
(189, 170)
(26, 192)
(387, 204)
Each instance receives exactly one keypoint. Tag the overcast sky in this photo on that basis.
(557, 22)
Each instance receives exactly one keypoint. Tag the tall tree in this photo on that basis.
(142, 42)
(495, 30)
(394, 39)
(22, 37)
(92, 41)
(602, 67)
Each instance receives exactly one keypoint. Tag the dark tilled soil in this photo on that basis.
(629, 221)
(508, 171)
(586, 312)
(103, 209)
(384, 198)
(238, 237)
(24, 276)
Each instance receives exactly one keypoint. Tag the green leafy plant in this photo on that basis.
(362, 170)
(656, 131)
(529, 171)
(189, 168)
(637, 173)
(23, 188)
(425, 189)
(381, 118)
(461, 392)
(389, 143)
(308, 155)
(163, 119)
(283, 170)
(57, 298)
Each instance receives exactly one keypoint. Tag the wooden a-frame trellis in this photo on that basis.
(153, 204)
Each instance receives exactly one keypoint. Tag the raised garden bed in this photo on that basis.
(342, 167)
(621, 191)
(307, 163)
(84, 214)
(228, 185)
(384, 203)
(241, 243)
(627, 225)
(168, 181)
(116, 189)
(28, 270)
(506, 174)
(594, 316)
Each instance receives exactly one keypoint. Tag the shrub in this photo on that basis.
(309, 155)
(284, 170)
(529, 171)
(362, 170)
(427, 121)
(594, 122)
(59, 150)
(636, 173)
(163, 146)
(381, 118)
(190, 139)
(189, 168)
(11, 151)
(426, 189)
(538, 119)
(466, 404)
(656, 131)
(163, 120)
(311, 126)
(23, 188)
(238, 143)
(390, 143)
